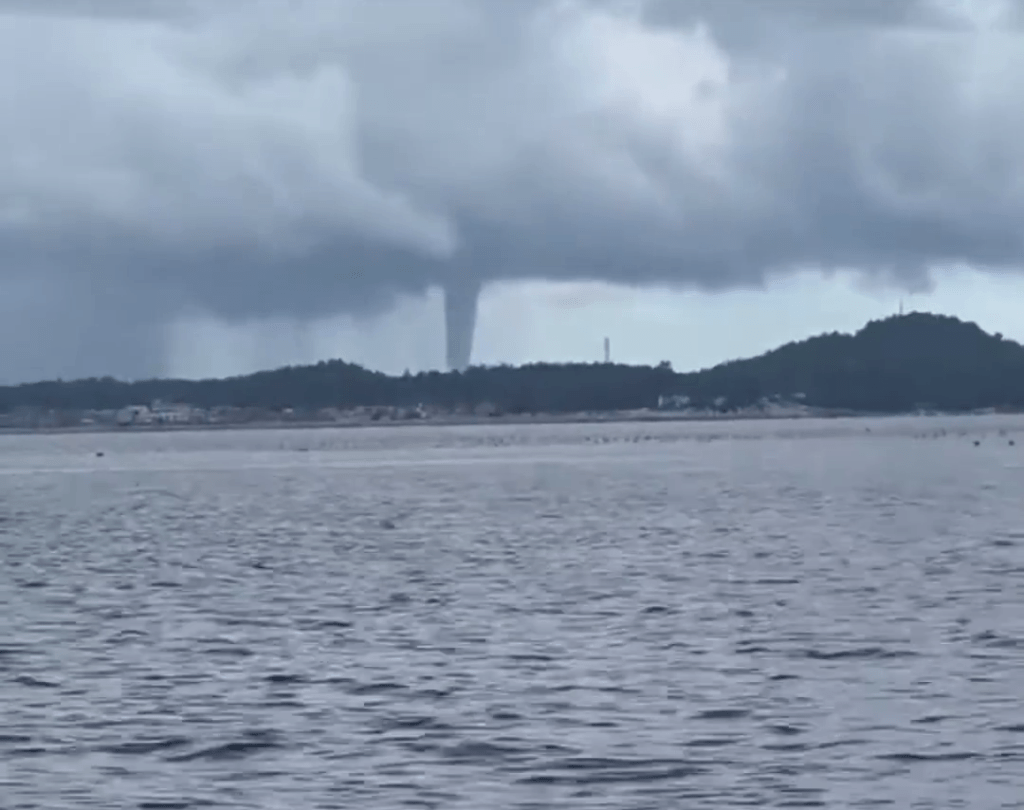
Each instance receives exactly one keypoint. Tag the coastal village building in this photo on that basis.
(159, 413)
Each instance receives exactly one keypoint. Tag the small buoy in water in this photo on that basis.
(1012, 442)
(99, 454)
(976, 442)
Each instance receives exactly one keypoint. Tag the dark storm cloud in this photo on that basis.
(102, 9)
(752, 16)
(309, 157)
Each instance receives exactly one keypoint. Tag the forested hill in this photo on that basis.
(897, 364)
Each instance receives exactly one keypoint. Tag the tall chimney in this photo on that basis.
(607, 350)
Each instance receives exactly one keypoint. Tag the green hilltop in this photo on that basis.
(897, 364)
(901, 363)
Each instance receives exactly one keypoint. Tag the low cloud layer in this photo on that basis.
(300, 158)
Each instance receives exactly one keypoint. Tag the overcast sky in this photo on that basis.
(217, 186)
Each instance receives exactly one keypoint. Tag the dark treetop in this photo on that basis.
(897, 364)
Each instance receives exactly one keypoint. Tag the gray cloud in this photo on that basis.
(270, 158)
(748, 18)
(86, 9)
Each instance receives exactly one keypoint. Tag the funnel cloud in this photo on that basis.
(299, 159)
(460, 303)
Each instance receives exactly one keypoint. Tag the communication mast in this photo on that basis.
(607, 350)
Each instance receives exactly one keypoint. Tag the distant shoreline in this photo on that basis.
(917, 363)
(613, 417)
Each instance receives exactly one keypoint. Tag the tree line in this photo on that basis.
(892, 365)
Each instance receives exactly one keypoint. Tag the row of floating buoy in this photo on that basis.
(617, 439)
(962, 434)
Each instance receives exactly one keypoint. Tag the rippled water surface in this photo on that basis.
(799, 614)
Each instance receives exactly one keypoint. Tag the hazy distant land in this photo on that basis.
(903, 364)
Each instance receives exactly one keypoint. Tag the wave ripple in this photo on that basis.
(798, 615)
